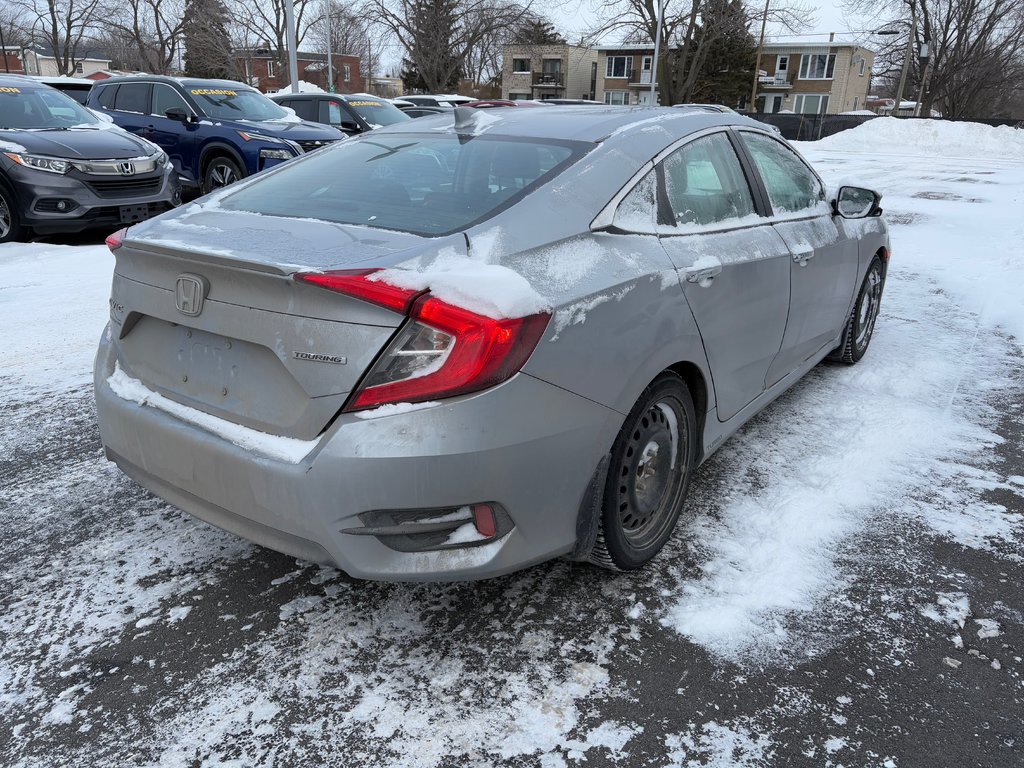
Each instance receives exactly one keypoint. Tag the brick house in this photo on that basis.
(814, 77)
(260, 68)
(559, 71)
(624, 74)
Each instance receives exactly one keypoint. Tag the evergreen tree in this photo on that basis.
(537, 31)
(431, 65)
(207, 44)
(728, 68)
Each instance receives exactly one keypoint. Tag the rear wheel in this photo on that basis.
(652, 460)
(861, 325)
(11, 230)
(220, 172)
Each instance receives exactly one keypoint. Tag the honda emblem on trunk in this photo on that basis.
(189, 292)
(126, 169)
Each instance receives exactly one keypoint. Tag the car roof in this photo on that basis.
(63, 80)
(20, 81)
(321, 94)
(578, 123)
(185, 82)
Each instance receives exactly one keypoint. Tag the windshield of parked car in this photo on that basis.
(41, 109)
(234, 102)
(376, 112)
(426, 185)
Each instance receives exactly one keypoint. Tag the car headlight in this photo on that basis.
(161, 159)
(250, 136)
(50, 164)
(276, 154)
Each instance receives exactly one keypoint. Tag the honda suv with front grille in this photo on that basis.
(63, 169)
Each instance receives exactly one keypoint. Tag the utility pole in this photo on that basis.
(926, 55)
(906, 58)
(752, 107)
(330, 56)
(657, 50)
(293, 64)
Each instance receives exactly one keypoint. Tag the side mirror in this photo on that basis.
(177, 113)
(856, 203)
(349, 126)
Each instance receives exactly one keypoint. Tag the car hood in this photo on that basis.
(298, 130)
(101, 143)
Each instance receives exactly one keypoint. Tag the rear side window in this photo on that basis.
(705, 183)
(791, 185)
(132, 97)
(165, 98)
(427, 185)
(106, 96)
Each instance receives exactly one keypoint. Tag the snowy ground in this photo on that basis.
(852, 595)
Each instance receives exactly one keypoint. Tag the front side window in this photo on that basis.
(233, 102)
(618, 66)
(619, 98)
(791, 185)
(22, 107)
(705, 183)
(166, 98)
(427, 185)
(817, 66)
(520, 65)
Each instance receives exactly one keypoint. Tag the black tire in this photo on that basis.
(220, 172)
(648, 476)
(861, 324)
(11, 230)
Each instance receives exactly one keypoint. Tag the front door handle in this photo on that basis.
(802, 257)
(703, 276)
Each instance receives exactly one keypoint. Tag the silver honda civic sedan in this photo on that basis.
(458, 346)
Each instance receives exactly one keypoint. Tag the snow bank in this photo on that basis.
(942, 138)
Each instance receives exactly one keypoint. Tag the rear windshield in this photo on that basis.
(426, 185)
(231, 103)
(376, 112)
(40, 108)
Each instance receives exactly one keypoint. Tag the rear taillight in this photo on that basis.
(443, 350)
(115, 240)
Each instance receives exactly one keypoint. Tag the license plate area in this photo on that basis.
(133, 214)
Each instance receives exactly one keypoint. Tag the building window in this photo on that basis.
(79, 68)
(618, 66)
(863, 66)
(271, 69)
(811, 104)
(618, 98)
(648, 62)
(856, 103)
(347, 70)
(519, 97)
(781, 64)
(520, 65)
(817, 66)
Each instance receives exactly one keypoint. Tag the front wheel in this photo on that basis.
(11, 230)
(220, 172)
(651, 463)
(861, 324)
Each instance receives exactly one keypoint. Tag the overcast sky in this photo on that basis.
(574, 17)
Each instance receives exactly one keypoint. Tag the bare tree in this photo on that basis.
(264, 20)
(976, 62)
(351, 32)
(63, 25)
(14, 25)
(442, 38)
(154, 27)
(689, 31)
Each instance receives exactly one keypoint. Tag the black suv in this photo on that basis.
(62, 169)
(350, 112)
(215, 131)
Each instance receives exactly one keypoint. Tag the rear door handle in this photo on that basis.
(703, 276)
(802, 257)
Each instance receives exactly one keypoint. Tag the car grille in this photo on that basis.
(126, 187)
(310, 146)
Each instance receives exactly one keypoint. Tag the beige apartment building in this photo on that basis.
(624, 74)
(549, 72)
(814, 77)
